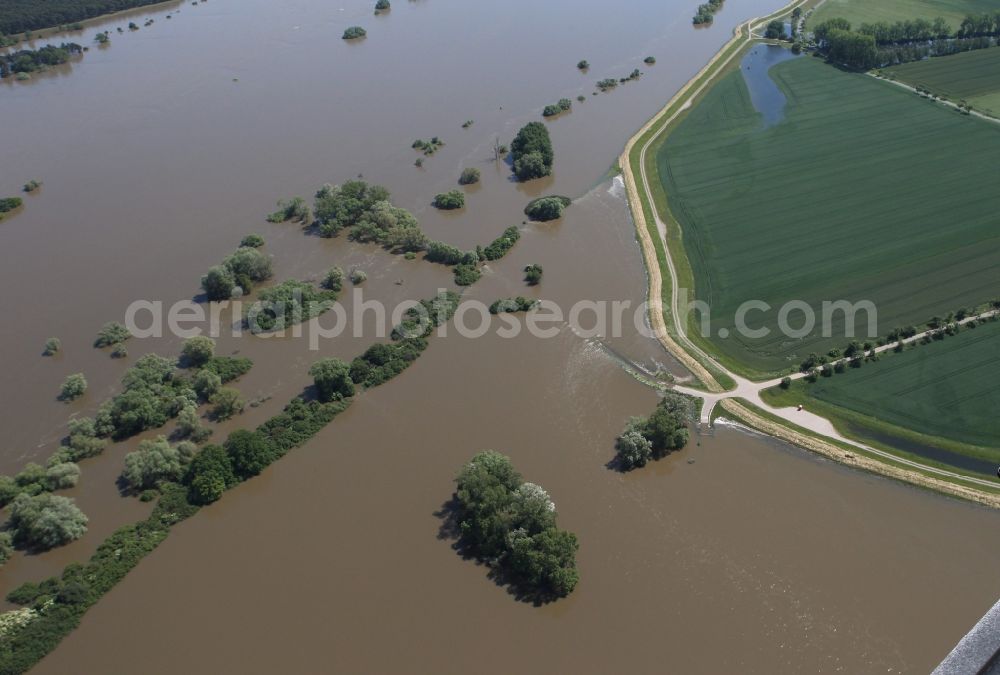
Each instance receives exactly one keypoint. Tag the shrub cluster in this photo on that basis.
(73, 387)
(448, 201)
(35, 60)
(111, 334)
(393, 227)
(428, 147)
(237, 274)
(509, 305)
(382, 362)
(511, 525)
(547, 208)
(294, 209)
(532, 152)
(446, 254)
(533, 274)
(340, 206)
(469, 176)
(706, 12)
(289, 303)
(562, 106)
(228, 368)
(152, 394)
(499, 247)
(252, 241)
(657, 435)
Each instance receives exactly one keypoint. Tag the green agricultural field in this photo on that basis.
(945, 389)
(864, 191)
(870, 11)
(970, 76)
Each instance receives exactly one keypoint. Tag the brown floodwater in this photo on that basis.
(159, 152)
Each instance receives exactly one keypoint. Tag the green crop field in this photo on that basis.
(864, 191)
(890, 11)
(970, 76)
(945, 388)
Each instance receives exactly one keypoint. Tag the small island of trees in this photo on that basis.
(354, 32)
(449, 201)
(510, 525)
(532, 152)
(8, 204)
(45, 521)
(511, 305)
(237, 274)
(655, 436)
(26, 61)
(562, 106)
(547, 208)
(706, 12)
(73, 387)
(533, 274)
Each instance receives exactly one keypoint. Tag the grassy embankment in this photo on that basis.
(840, 201)
(890, 464)
(973, 77)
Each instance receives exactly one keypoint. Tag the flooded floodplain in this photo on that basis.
(160, 152)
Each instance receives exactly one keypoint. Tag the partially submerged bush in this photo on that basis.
(334, 279)
(73, 387)
(354, 32)
(111, 334)
(45, 521)
(197, 351)
(562, 106)
(294, 209)
(154, 462)
(226, 403)
(466, 274)
(664, 431)
(219, 283)
(533, 274)
(470, 176)
(52, 347)
(453, 199)
(532, 152)
(10, 203)
(547, 208)
(499, 247)
(511, 525)
(510, 305)
(332, 378)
